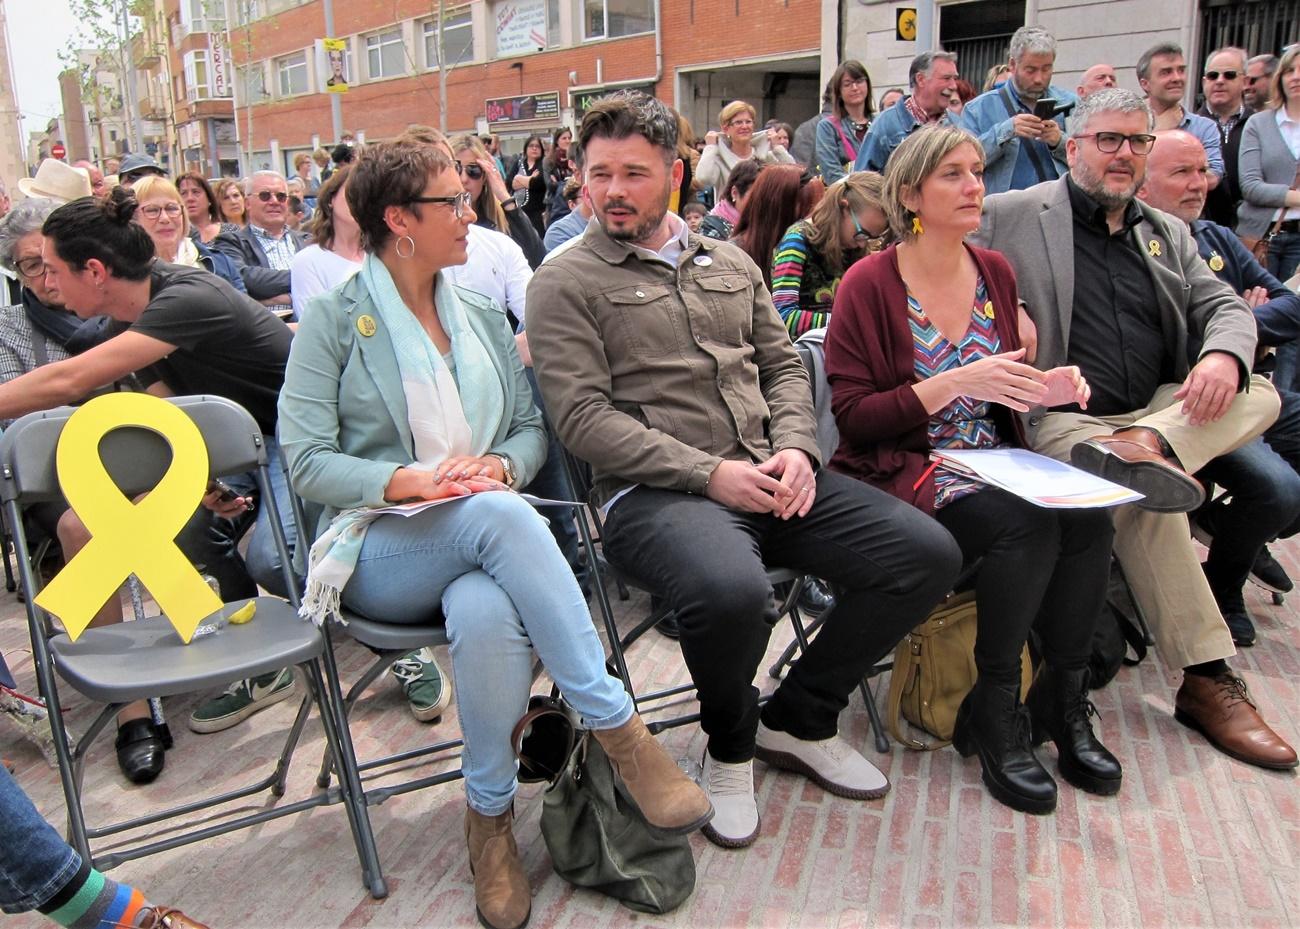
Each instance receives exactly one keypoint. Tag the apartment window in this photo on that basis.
(457, 39)
(246, 11)
(385, 54)
(206, 15)
(252, 83)
(291, 74)
(196, 75)
(610, 19)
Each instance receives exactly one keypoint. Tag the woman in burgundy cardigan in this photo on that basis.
(924, 351)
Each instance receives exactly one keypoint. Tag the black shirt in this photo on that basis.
(227, 344)
(1115, 334)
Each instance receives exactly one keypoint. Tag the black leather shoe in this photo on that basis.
(815, 599)
(1241, 627)
(140, 752)
(1060, 709)
(992, 724)
(669, 626)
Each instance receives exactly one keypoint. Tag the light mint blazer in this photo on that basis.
(344, 426)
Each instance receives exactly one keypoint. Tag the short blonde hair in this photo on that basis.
(912, 162)
(155, 185)
(734, 109)
(860, 190)
(301, 159)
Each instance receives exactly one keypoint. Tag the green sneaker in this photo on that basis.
(242, 699)
(426, 687)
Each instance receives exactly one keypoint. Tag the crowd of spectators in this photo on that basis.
(398, 316)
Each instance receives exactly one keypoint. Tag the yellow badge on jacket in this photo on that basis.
(366, 326)
(1215, 262)
(1153, 248)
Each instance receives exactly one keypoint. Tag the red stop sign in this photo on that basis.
(58, 151)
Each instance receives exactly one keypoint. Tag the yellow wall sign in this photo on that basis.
(905, 24)
(128, 537)
(336, 65)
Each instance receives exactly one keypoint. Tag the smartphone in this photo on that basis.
(1045, 108)
(227, 493)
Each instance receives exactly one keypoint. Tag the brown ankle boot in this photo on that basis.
(500, 887)
(668, 799)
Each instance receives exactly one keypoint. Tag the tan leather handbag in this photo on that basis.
(934, 669)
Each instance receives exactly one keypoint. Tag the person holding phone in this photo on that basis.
(493, 203)
(1019, 123)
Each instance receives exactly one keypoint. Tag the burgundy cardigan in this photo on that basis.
(884, 437)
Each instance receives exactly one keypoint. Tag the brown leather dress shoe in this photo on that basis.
(1137, 458)
(162, 917)
(1221, 710)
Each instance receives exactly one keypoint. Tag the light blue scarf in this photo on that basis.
(446, 418)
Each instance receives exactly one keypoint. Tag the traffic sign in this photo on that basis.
(58, 151)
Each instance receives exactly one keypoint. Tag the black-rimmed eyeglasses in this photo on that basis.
(460, 203)
(1108, 143)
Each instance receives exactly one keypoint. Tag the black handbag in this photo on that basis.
(596, 836)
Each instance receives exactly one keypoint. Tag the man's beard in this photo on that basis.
(1094, 185)
(643, 230)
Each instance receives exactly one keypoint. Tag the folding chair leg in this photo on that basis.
(371, 675)
(354, 798)
(290, 744)
(873, 713)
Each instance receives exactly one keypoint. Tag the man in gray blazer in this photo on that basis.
(264, 249)
(1118, 289)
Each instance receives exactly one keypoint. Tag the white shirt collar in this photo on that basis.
(671, 251)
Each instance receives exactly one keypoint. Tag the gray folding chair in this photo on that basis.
(120, 664)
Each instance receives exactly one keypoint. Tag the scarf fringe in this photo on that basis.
(321, 602)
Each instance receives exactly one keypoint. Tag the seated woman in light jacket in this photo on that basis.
(736, 142)
(400, 387)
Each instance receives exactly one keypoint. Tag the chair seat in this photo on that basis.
(394, 636)
(146, 658)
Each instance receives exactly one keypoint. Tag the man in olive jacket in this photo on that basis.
(665, 366)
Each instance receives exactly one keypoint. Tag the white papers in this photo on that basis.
(419, 506)
(1040, 480)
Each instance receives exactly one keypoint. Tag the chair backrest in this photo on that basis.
(136, 459)
(811, 349)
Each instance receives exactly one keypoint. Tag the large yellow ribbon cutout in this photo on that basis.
(127, 537)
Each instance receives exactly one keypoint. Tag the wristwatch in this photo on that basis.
(507, 468)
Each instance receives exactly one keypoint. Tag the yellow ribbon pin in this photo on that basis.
(366, 326)
(1153, 248)
(126, 537)
(988, 309)
(1215, 262)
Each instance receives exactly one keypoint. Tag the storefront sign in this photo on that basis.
(503, 110)
(581, 100)
(521, 27)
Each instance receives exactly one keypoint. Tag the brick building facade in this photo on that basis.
(695, 54)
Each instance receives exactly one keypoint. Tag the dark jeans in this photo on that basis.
(890, 565)
(1045, 569)
(1264, 487)
(1283, 257)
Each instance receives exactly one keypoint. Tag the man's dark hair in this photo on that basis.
(90, 228)
(1163, 48)
(342, 154)
(626, 113)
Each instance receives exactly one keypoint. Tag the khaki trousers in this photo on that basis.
(1155, 549)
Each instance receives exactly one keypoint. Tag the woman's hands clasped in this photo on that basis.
(456, 477)
(1006, 379)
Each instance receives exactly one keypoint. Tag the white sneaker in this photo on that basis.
(832, 763)
(735, 813)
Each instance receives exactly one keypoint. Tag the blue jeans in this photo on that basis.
(491, 564)
(261, 560)
(35, 863)
(1265, 503)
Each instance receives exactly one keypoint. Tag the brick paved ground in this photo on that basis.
(1194, 838)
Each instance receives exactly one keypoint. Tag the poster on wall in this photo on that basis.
(524, 108)
(520, 27)
(336, 65)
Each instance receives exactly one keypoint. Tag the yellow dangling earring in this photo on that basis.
(917, 228)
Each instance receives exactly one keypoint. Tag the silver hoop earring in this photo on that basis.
(398, 246)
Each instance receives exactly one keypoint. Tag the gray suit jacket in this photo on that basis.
(1034, 228)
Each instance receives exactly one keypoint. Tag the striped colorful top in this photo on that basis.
(964, 423)
(803, 287)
